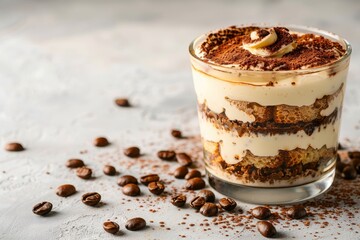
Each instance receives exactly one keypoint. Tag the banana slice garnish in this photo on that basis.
(264, 42)
(258, 45)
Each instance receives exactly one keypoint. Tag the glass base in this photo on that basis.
(272, 196)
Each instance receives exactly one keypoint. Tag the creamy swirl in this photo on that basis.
(269, 43)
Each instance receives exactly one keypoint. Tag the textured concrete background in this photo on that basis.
(63, 62)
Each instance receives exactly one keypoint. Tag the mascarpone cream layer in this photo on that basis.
(306, 90)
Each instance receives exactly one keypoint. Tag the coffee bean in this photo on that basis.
(74, 163)
(65, 190)
(122, 102)
(166, 155)
(266, 228)
(42, 208)
(261, 213)
(109, 170)
(339, 164)
(209, 209)
(338, 158)
(296, 212)
(176, 133)
(126, 179)
(356, 164)
(178, 200)
(349, 172)
(227, 204)
(183, 159)
(195, 184)
(197, 202)
(207, 194)
(14, 147)
(180, 172)
(84, 172)
(156, 188)
(149, 178)
(135, 224)
(131, 189)
(91, 198)
(111, 227)
(132, 152)
(193, 174)
(354, 154)
(101, 142)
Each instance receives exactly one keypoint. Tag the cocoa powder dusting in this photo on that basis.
(224, 47)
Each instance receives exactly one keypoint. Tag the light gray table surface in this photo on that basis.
(62, 63)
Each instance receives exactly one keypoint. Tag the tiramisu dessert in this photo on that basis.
(269, 103)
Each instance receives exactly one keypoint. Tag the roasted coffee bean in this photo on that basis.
(101, 142)
(195, 184)
(338, 158)
(209, 209)
(181, 172)
(132, 152)
(156, 188)
(339, 164)
(176, 133)
(178, 200)
(111, 227)
(354, 154)
(207, 194)
(197, 202)
(84, 172)
(42, 208)
(183, 159)
(74, 163)
(356, 164)
(131, 189)
(349, 172)
(109, 170)
(122, 102)
(149, 178)
(266, 228)
(65, 190)
(166, 155)
(135, 224)
(296, 212)
(227, 204)
(91, 198)
(193, 174)
(261, 213)
(126, 179)
(14, 147)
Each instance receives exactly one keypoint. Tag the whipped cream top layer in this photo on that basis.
(268, 49)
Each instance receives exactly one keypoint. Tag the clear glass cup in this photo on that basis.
(267, 143)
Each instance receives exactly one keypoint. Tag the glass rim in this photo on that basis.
(346, 45)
